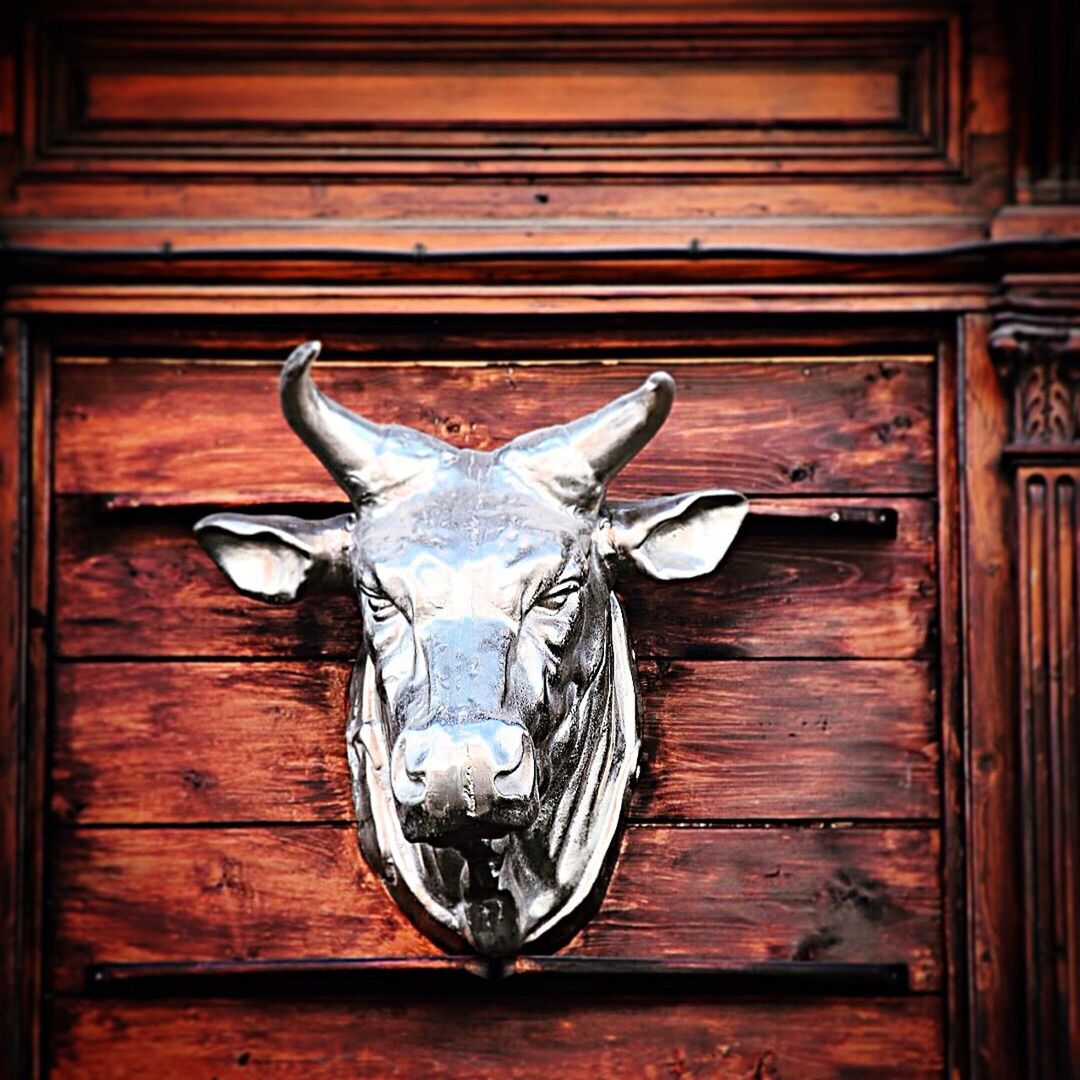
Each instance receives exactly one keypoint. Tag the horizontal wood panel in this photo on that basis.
(488, 1031)
(496, 93)
(731, 896)
(601, 97)
(226, 742)
(137, 584)
(758, 427)
(783, 739)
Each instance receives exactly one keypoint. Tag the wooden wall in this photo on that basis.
(790, 804)
(853, 847)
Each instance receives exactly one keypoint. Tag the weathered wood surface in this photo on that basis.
(137, 584)
(803, 427)
(731, 896)
(227, 742)
(14, 602)
(1048, 546)
(855, 127)
(991, 653)
(788, 739)
(498, 1031)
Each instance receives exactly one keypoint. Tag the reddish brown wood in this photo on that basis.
(493, 1030)
(139, 585)
(731, 896)
(490, 339)
(13, 596)
(1037, 345)
(885, 114)
(794, 427)
(1047, 523)
(783, 96)
(692, 294)
(1046, 44)
(952, 731)
(990, 706)
(431, 101)
(35, 749)
(814, 740)
(687, 191)
(770, 740)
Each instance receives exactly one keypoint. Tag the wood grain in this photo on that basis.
(139, 585)
(604, 97)
(497, 93)
(991, 655)
(785, 427)
(783, 739)
(14, 602)
(1050, 741)
(733, 896)
(597, 226)
(496, 1031)
(953, 741)
(935, 170)
(226, 742)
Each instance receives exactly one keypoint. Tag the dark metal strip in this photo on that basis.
(621, 976)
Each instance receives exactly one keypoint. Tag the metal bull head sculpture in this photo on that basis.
(493, 727)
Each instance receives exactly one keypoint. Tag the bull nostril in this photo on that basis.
(408, 774)
(482, 771)
(415, 755)
(519, 779)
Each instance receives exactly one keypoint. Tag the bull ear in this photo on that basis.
(279, 559)
(682, 536)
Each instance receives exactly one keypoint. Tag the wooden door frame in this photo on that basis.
(977, 606)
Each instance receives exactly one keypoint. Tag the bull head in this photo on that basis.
(493, 727)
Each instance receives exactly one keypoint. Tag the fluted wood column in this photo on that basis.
(1041, 357)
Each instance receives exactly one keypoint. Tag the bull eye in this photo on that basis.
(557, 598)
(381, 606)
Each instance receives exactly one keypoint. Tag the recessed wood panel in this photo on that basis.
(496, 93)
(728, 896)
(644, 96)
(157, 432)
(137, 584)
(503, 1031)
(724, 740)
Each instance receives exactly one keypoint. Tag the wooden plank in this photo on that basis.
(139, 585)
(783, 739)
(498, 1030)
(731, 896)
(14, 601)
(395, 100)
(840, 428)
(449, 92)
(951, 697)
(226, 742)
(991, 677)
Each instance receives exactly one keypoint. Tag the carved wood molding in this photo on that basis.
(1039, 355)
(1050, 764)
(409, 98)
(1038, 350)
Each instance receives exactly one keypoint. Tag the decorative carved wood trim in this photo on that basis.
(1040, 354)
(847, 98)
(1050, 763)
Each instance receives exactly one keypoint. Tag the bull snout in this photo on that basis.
(465, 781)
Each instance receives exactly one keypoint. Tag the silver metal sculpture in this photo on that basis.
(493, 726)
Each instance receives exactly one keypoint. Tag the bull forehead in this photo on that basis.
(475, 530)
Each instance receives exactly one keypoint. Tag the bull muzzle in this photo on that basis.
(466, 781)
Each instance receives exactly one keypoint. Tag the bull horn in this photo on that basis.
(364, 458)
(579, 459)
